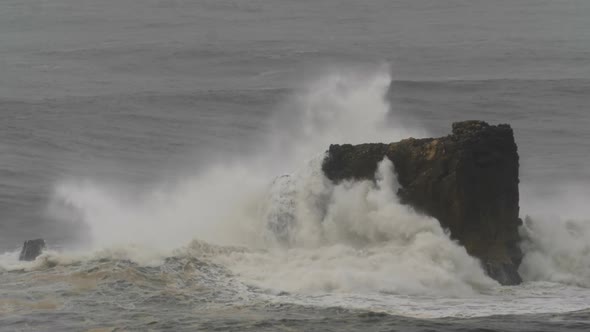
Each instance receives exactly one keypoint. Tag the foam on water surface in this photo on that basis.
(274, 228)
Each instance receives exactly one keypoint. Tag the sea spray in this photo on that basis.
(221, 204)
(342, 106)
(363, 241)
(556, 234)
(303, 233)
(556, 250)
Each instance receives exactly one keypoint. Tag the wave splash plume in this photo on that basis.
(274, 226)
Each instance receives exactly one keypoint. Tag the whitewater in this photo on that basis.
(253, 241)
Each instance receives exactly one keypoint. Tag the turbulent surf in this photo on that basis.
(234, 245)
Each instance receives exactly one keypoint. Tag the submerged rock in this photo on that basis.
(31, 250)
(467, 180)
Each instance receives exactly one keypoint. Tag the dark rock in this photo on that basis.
(467, 180)
(31, 249)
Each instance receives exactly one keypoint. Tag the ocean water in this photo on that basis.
(169, 153)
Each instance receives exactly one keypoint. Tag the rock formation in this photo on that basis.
(31, 249)
(467, 180)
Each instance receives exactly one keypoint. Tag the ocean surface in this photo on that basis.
(169, 153)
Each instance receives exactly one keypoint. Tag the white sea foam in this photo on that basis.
(221, 204)
(557, 236)
(362, 241)
(305, 235)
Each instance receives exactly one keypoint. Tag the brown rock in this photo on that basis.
(467, 180)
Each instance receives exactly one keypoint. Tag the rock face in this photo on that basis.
(467, 180)
(31, 249)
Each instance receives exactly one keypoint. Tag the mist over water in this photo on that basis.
(324, 112)
(268, 228)
(556, 235)
(170, 152)
(301, 233)
(357, 238)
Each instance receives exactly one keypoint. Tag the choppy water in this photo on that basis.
(143, 141)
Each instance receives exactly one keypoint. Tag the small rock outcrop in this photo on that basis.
(31, 249)
(467, 180)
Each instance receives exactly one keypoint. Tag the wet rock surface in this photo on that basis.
(467, 180)
(31, 249)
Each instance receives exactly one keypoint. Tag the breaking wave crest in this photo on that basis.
(359, 238)
(285, 227)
